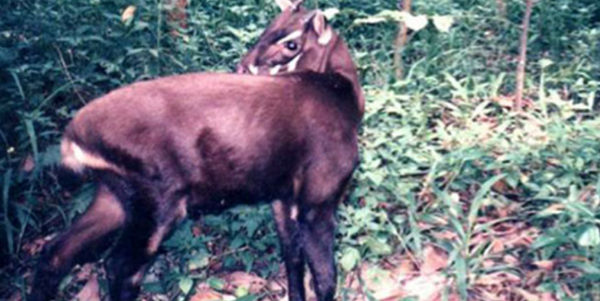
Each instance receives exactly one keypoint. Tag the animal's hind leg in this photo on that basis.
(87, 238)
(317, 224)
(146, 227)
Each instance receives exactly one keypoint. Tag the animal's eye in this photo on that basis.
(291, 45)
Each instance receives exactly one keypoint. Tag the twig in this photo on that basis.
(68, 74)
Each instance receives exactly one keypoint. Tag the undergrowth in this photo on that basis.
(506, 202)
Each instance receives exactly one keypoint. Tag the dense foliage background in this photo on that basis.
(458, 196)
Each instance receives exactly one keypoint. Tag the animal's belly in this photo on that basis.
(211, 200)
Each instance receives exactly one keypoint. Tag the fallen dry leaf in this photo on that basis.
(544, 264)
(91, 290)
(425, 288)
(380, 282)
(205, 293)
(85, 272)
(241, 279)
(528, 296)
(34, 247)
(277, 286)
(28, 164)
(497, 278)
(434, 259)
(404, 270)
(548, 297)
(449, 235)
(15, 297)
(497, 245)
(510, 259)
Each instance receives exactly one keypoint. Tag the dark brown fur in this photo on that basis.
(209, 141)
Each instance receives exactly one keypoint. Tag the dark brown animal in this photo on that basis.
(208, 141)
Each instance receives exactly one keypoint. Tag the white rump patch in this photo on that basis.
(294, 35)
(75, 158)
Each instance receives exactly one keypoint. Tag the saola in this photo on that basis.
(161, 148)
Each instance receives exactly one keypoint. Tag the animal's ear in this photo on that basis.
(319, 24)
(285, 4)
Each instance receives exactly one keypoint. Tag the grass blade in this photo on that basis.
(7, 225)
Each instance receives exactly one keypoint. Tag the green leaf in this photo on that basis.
(216, 283)
(480, 197)
(186, 284)
(461, 275)
(350, 258)
(378, 247)
(415, 23)
(545, 63)
(199, 261)
(241, 291)
(330, 13)
(443, 23)
(589, 237)
(546, 240)
(6, 183)
(247, 298)
(585, 267)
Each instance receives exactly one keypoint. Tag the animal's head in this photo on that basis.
(298, 39)
(301, 40)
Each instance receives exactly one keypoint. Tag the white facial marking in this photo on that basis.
(253, 69)
(274, 70)
(294, 35)
(294, 212)
(325, 38)
(291, 66)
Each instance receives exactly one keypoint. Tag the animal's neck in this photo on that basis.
(337, 59)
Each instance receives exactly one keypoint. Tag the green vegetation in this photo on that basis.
(458, 195)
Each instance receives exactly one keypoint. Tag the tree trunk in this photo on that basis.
(401, 38)
(522, 56)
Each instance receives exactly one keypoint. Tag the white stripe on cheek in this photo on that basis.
(274, 70)
(291, 66)
(253, 69)
(294, 35)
